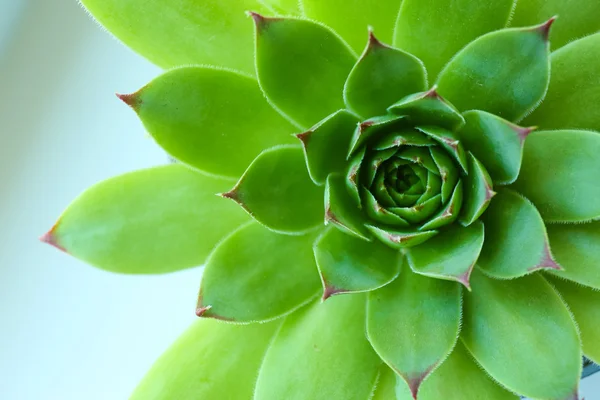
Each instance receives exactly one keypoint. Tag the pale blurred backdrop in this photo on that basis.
(69, 331)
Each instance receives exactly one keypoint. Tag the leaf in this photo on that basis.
(505, 73)
(207, 358)
(321, 353)
(401, 239)
(448, 140)
(386, 385)
(194, 112)
(413, 324)
(302, 67)
(576, 247)
(151, 221)
(182, 32)
(574, 87)
(326, 145)
(382, 76)
(277, 191)
(584, 303)
(458, 378)
(373, 128)
(522, 334)
(341, 210)
(283, 7)
(516, 242)
(348, 264)
(250, 276)
(560, 175)
(428, 108)
(435, 30)
(351, 18)
(577, 18)
(478, 192)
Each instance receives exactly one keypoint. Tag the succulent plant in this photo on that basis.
(417, 221)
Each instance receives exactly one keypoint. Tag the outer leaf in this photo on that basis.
(321, 353)
(350, 18)
(478, 191)
(277, 191)
(560, 175)
(458, 378)
(521, 332)
(584, 303)
(194, 113)
(505, 73)
(450, 255)
(413, 324)
(574, 87)
(302, 67)
(152, 221)
(382, 76)
(576, 248)
(181, 32)
(386, 385)
(434, 30)
(349, 264)
(516, 242)
(578, 18)
(211, 360)
(326, 145)
(242, 284)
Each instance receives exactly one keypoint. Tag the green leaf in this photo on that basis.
(560, 175)
(207, 358)
(497, 143)
(505, 73)
(351, 18)
(151, 221)
(577, 18)
(277, 191)
(448, 172)
(342, 210)
(413, 324)
(516, 242)
(458, 378)
(522, 334)
(302, 67)
(382, 76)
(326, 145)
(349, 264)
(449, 213)
(194, 112)
(373, 128)
(428, 108)
(386, 385)
(576, 247)
(449, 142)
(182, 32)
(450, 255)
(478, 192)
(250, 276)
(584, 303)
(283, 7)
(321, 353)
(574, 87)
(435, 30)
(401, 239)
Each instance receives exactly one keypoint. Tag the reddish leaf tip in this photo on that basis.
(414, 383)
(132, 99)
(547, 261)
(259, 19)
(373, 41)
(523, 133)
(200, 311)
(544, 29)
(232, 195)
(50, 239)
(330, 291)
(432, 93)
(304, 136)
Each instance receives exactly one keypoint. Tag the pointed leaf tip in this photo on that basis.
(50, 239)
(547, 261)
(525, 132)
(329, 291)
(373, 41)
(200, 311)
(132, 99)
(259, 19)
(414, 384)
(544, 28)
(304, 136)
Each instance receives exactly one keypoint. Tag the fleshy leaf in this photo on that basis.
(349, 264)
(584, 303)
(326, 145)
(448, 171)
(505, 72)
(428, 108)
(193, 113)
(151, 221)
(342, 210)
(242, 284)
(277, 191)
(478, 191)
(497, 143)
(399, 239)
(435, 30)
(413, 324)
(560, 175)
(182, 32)
(302, 67)
(523, 335)
(576, 247)
(449, 213)
(450, 142)
(208, 357)
(382, 76)
(321, 353)
(386, 385)
(372, 128)
(574, 87)
(450, 255)
(458, 378)
(516, 242)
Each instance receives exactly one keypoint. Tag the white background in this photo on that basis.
(69, 331)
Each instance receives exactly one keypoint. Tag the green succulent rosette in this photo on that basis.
(409, 195)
